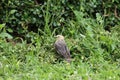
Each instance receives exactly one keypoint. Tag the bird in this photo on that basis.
(61, 48)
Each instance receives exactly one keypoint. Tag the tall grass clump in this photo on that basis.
(91, 41)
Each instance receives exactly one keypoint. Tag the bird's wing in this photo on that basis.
(62, 48)
(68, 52)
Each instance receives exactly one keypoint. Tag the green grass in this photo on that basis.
(27, 62)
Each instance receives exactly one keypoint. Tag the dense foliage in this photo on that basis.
(91, 30)
(22, 16)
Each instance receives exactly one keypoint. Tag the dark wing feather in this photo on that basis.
(62, 49)
(68, 53)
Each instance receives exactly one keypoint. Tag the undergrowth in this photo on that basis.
(95, 56)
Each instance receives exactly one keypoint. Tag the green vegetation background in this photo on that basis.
(91, 30)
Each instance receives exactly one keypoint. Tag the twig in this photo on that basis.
(36, 2)
(115, 12)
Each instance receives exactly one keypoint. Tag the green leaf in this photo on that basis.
(2, 26)
(12, 11)
(4, 35)
(10, 30)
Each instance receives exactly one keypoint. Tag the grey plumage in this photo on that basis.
(62, 48)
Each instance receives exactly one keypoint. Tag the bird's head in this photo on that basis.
(59, 37)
